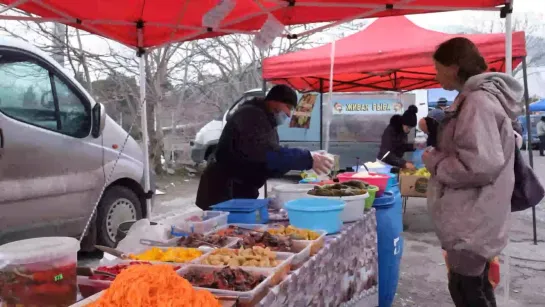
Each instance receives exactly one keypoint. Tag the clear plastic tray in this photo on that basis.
(316, 244)
(144, 248)
(183, 225)
(247, 298)
(249, 227)
(302, 251)
(279, 272)
(231, 241)
(89, 287)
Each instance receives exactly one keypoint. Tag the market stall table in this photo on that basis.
(344, 271)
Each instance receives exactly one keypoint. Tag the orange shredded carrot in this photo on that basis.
(153, 286)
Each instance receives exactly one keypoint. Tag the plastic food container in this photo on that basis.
(246, 298)
(39, 272)
(89, 287)
(379, 180)
(231, 241)
(244, 227)
(354, 209)
(303, 251)
(279, 272)
(371, 190)
(199, 222)
(316, 245)
(286, 192)
(145, 248)
(316, 213)
(245, 211)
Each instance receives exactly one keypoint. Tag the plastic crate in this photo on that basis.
(245, 211)
(211, 220)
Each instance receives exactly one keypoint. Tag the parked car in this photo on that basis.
(355, 131)
(57, 149)
(534, 119)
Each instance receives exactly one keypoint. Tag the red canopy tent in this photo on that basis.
(392, 53)
(167, 21)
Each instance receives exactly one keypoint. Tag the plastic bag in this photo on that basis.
(142, 229)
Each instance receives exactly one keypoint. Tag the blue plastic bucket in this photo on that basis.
(316, 213)
(390, 247)
(245, 211)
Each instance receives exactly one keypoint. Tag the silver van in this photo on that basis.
(57, 148)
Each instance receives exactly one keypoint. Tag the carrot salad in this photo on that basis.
(153, 286)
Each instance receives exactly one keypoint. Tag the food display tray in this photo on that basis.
(302, 253)
(89, 287)
(279, 272)
(231, 241)
(144, 248)
(247, 298)
(316, 245)
(214, 220)
(256, 227)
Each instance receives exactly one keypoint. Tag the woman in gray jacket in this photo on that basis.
(472, 171)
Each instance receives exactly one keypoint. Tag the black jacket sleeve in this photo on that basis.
(387, 145)
(255, 143)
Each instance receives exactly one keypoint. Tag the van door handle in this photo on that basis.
(1, 138)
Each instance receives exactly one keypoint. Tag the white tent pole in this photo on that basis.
(144, 115)
(509, 43)
(144, 124)
(328, 111)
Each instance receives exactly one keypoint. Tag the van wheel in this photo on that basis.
(118, 204)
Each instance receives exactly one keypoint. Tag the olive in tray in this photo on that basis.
(273, 242)
(225, 279)
(349, 188)
(196, 240)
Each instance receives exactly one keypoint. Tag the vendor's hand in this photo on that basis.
(426, 154)
(420, 145)
(409, 166)
(321, 164)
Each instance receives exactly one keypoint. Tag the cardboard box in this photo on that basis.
(413, 186)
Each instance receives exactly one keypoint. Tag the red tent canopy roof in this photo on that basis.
(166, 21)
(392, 53)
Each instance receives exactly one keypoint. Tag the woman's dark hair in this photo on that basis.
(462, 52)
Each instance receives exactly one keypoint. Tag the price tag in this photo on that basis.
(272, 28)
(213, 18)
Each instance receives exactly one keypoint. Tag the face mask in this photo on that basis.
(280, 118)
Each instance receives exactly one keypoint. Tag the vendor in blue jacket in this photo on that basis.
(249, 153)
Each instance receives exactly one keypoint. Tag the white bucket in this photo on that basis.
(354, 209)
(285, 192)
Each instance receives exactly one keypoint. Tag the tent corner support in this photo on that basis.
(529, 137)
(144, 129)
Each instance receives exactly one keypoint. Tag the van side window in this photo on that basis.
(32, 94)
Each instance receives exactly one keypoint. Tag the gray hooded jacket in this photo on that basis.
(472, 171)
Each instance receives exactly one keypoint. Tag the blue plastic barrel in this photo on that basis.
(390, 247)
(393, 186)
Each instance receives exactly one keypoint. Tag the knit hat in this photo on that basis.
(283, 93)
(409, 117)
(437, 114)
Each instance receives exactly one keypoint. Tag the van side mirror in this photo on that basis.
(98, 114)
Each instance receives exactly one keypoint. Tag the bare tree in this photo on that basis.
(531, 25)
